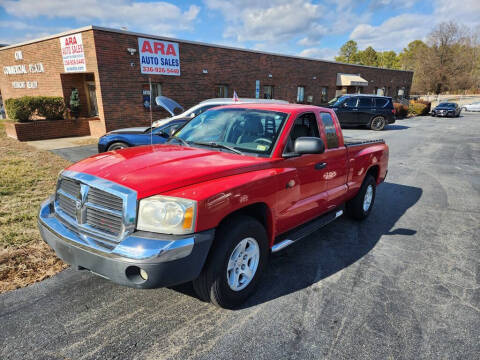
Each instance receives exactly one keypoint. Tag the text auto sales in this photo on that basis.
(159, 57)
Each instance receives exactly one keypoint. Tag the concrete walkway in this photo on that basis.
(62, 143)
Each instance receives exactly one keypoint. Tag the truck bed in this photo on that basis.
(349, 142)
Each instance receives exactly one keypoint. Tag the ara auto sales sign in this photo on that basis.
(159, 57)
(72, 53)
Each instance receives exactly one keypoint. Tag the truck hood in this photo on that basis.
(156, 169)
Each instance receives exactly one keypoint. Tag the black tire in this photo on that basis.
(355, 206)
(117, 146)
(377, 123)
(212, 284)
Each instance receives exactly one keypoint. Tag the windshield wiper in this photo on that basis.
(179, 139)
(219, 146)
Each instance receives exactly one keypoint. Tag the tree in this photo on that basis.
(368, 57)
(348, 52)
(388, 60)
(410, 55)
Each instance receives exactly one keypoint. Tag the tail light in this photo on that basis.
(393, 111)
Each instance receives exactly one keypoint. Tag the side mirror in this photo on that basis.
(309, 145)
(163, 134)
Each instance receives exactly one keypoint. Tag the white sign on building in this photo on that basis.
(159, 57)
(73, 53)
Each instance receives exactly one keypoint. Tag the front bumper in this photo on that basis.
(167, 259)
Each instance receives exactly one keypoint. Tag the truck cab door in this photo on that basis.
(336, 170)
(304, 194)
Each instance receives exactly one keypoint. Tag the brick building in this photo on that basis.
(114, 72)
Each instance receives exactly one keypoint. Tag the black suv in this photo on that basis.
(370, 110)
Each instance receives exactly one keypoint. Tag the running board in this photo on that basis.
(305, 230)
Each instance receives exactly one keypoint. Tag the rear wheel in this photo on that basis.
(235, 263)
(360, 206)
(377, 123)
(117, 146)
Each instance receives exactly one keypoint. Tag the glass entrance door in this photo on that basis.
(92, 96)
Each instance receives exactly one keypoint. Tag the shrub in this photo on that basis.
(418, 109)
(401, 110)
(52, 107)
(17, 109)
(21, 109)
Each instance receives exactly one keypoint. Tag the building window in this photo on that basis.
(156, 90)
(323, 94)
(221, 91)
(300, 93)
(268, 92)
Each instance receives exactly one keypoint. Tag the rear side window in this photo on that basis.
(365, 102)
(330, 130)
(382, 103)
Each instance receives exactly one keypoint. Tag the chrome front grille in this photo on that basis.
(100, 209)
(70, 186)
(104, 221)
(67, 204)
(103, 198)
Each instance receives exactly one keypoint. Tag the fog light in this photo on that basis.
(143, 274)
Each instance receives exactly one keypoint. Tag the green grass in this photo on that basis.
(27, 177)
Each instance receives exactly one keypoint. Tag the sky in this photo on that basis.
(306, 28)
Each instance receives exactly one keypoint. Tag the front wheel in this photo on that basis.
(117, 146)
(377, 123)
(360, 206)
(236, 262)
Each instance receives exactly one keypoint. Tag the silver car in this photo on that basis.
(170, 106)
(471, 107)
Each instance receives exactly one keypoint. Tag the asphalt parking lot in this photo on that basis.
(404, 284)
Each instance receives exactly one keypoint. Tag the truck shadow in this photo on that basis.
(336, 246)
(332, 248)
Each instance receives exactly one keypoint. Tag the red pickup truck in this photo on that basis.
(231, 186)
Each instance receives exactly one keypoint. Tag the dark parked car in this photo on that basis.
(447, 109)
(370, 110)
(123, 138)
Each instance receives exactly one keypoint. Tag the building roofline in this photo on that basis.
(126, 32)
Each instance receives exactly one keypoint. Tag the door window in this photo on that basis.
(330, 130)
(350, 102)
(305, 125)
(365, 102)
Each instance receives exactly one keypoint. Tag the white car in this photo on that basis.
(471, 107)
(205, 105)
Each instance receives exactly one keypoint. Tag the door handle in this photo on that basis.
(320, 166)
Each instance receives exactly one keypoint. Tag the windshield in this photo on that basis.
(246, 130)
(339, 101)
(449, 105)
(333, 101)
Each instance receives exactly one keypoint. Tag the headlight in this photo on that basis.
(167, 215)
